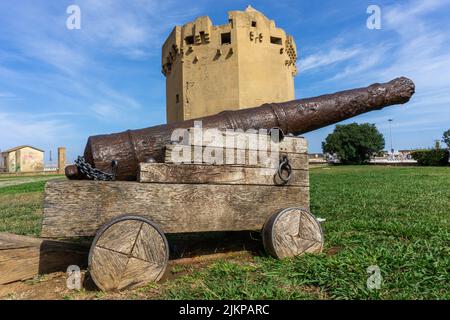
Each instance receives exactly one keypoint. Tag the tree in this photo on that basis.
(446, 138)
(354, 143)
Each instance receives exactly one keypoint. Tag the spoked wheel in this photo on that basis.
(292, 232)
(128, 252)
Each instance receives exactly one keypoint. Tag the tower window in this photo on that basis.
(226, 38)
(203, 36)
(177, 98)
(254, 24)
(276, 40)
(189, 40)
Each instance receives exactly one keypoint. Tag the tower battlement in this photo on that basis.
(241, 64)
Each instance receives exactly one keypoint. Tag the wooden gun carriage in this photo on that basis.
(130, 219)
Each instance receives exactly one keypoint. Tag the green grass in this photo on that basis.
(395, 218)
(21, 205)
(37, 186)
(21, 213)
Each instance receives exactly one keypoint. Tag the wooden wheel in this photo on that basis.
(292, 232)
(128, 252)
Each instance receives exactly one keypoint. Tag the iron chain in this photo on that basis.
(92, 173)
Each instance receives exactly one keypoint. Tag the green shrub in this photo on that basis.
(431, 157)
(354, 143)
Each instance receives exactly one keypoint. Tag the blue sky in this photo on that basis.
(58, 86)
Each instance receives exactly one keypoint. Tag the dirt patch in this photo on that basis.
(333, 250)
(47, 287)
(316, 291)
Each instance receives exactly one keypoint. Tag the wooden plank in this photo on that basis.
(80, 208)
(242, 140)
(234, 157)
(24, 258)
(202, 173)
(13, 241)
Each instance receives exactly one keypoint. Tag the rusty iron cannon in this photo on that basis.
(132, 147)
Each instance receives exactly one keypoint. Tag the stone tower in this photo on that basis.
(241, 64)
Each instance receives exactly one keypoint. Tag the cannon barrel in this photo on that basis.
(131, 147)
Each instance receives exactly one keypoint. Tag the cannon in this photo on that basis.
(128, 192)
(132, 147)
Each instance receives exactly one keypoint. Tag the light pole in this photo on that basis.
(390, 134)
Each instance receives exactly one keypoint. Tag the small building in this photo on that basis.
(241, 64)
(316, 158)
(22, 159)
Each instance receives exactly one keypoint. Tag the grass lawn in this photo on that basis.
(395, 218)
(21, 203)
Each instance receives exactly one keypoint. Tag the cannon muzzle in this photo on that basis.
(131, 147)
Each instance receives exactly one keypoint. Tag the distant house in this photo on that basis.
(22, 159)
(316, 158)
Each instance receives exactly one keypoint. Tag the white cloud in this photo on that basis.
(414, 47)
(407, 16)
(68, 66)
(77, 94)
(57, 54)
(366, 60)
(131, 27)
(21, 128)
(104, 111)
(322, 59)
(412, 43)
